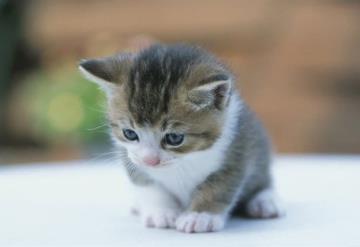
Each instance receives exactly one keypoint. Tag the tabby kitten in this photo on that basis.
(192, 148)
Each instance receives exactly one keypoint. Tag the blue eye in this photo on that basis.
(174, 139)
(130, 135)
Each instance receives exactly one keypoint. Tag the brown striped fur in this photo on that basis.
(159, 88)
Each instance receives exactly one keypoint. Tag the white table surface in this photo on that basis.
(85, 203)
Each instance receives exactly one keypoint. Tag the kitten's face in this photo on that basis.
(164, 102)
(177, 132)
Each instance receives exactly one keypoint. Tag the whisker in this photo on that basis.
(99, 127)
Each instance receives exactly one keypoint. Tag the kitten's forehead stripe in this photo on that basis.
(164, 125)
(132, 123)
(155, 77)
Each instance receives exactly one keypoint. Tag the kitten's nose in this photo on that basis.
(151, 160)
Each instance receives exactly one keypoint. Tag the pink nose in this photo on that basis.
(151, 160)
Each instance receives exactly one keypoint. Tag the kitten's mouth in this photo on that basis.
(143, 164)
(160, 165)
(140, 163)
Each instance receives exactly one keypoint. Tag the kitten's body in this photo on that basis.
(182, 177)
(223, 164)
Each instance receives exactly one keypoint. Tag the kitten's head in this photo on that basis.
(163, 102)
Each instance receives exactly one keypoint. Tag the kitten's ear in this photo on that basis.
(213, 94)
(107, 72)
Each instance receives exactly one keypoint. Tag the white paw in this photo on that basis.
(162, 218)
(265, 204)
(200, 222)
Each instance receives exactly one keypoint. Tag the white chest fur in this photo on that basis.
(187, 173)
(182, 177)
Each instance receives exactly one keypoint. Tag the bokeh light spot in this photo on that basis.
(65, 112)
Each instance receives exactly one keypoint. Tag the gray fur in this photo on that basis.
(153, 80)
(245, 170)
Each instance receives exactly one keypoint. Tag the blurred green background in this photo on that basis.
(298, 64)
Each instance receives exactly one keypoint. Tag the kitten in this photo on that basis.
(192, 148)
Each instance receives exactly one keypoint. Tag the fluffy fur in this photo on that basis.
(223, 164)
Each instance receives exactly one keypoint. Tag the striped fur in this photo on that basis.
(222, 166)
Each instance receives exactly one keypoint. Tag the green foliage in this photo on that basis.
(63, 107)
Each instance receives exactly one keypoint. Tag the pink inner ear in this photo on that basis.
(220, 93)
(221, 89)
(212, 94)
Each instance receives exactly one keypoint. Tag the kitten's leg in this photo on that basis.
(157, 208)
(217, 196)
(211, 204)
(264, 204)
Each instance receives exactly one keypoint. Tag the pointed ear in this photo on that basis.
(212, 94)
(107, 72)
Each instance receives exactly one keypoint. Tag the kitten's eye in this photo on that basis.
(130, 135)
(174, 139)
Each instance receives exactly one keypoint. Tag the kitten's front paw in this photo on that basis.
(164, 218)
(200, 222)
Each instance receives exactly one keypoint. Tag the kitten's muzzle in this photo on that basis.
(151, 160)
